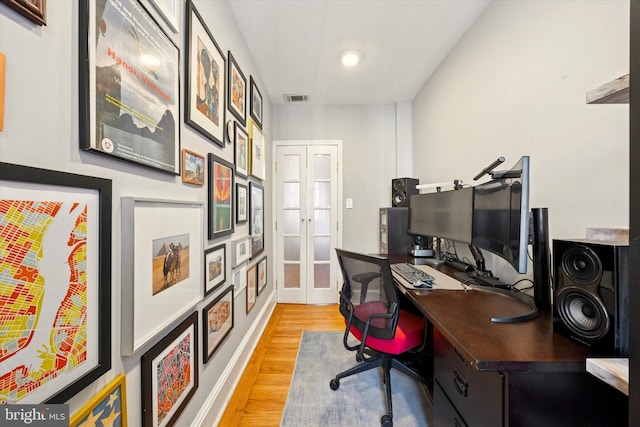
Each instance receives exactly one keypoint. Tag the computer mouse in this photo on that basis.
(419, 284)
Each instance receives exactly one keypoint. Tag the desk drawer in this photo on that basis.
(444, 414)
(477, 396)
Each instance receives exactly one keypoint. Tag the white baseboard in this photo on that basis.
(216, 403)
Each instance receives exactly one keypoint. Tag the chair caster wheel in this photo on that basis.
(386, 421)
(334, 384)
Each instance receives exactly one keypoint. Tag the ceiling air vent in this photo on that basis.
(296, 98)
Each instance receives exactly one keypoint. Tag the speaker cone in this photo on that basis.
(583, 313)
(398, 184)
(399, 198)
(581, 265)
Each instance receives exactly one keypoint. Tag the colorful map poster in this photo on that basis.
(49, 275)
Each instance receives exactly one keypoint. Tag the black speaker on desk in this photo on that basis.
(401, 189)
(591, 294)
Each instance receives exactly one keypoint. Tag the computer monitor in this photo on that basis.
(501, 215)
(444, 214)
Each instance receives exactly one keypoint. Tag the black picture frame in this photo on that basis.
(115, 120)
(241, 144)
(262, 274)
(242, 203)
(214, 332)
(49, 186)
(152, 363)
(256, 217)
(205, 112)
(251, 291)
(215, 264)
(256, 106)
(237, 92)
(220, 197)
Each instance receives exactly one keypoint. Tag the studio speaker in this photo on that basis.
(591, 294)
(401, 189)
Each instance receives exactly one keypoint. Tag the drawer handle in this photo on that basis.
(460, 384)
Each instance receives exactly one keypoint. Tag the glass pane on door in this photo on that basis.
(290, 169)
(321, 166)
(291, 195)
(321, 248)
(292, 276)
(321, 276)
(291, 221)
(321, 194)
(321, 221)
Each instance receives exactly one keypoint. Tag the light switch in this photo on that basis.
(349, 203)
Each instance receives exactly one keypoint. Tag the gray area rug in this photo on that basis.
(360, 399)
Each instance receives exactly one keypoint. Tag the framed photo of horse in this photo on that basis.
(161, 266)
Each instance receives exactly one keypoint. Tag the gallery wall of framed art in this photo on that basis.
(122, 154)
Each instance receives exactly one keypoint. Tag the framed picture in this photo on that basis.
(205, 81)
(129, 85)
(256, 213)
(161, 266)
(237, 91)
(240, 278)
(241, 250)
(242, 203)
(192, 167)
(262, 274)
(220, 198)
(256, 103)
(215, 268)
(241, 142)
(109, 407)
(35, 10)
(258, 151)
(55, 246)
(169, 9)
(170, 374)
(252, 286)
(217, 322)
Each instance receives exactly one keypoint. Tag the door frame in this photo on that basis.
(339, 185)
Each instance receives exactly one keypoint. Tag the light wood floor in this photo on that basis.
(262, 391)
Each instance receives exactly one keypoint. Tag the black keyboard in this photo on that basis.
(411, 274)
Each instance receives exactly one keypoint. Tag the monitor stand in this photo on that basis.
(437, 260)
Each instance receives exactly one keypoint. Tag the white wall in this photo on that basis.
(41, 129)
(369, 155)
(516, 85)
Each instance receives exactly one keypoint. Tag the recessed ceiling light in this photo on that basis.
(351, 58)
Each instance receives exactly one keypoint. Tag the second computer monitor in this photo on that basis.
(444, 214)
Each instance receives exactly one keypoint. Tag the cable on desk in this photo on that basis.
(513, 286)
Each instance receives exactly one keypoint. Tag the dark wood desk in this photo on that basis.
(507, 374)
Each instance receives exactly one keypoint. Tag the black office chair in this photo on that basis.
(373, 317)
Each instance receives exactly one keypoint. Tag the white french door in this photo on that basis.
(308, 208)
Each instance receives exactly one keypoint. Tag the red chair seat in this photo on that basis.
(409, 331)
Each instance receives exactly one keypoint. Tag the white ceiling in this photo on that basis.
(297, 44)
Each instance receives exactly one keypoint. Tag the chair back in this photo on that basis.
(368, 294)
